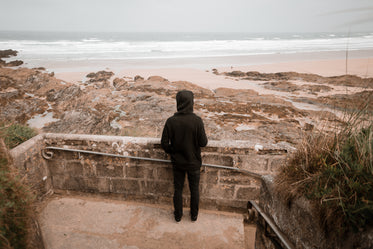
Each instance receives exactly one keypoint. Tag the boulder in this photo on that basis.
(119, 83)
(138, 78)
(64, 94)
(157, 78)
(5, 82)
(236, 74)
(39, 68)
(15, 63)
(10, 93)
(100, 76)
(8, 53)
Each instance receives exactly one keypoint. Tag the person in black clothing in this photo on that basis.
(183, 136)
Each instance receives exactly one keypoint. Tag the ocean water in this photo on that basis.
(35, 47)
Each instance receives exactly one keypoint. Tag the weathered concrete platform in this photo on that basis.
(85, 222)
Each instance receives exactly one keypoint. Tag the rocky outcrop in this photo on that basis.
(25, 93)
(15, 63)
(344, 80)
(236, 74)
(7, 54)
(119, 83)
(64, 94)
(100, 79)
(139, 107)
(99, 76)
(9, 93)
(136, 107)
(286, 86)
(138, 78)
(349, 102)
(21, 110)
(156, 79)
(6, 81)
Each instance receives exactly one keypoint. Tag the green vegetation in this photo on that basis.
(335, 172)
(15, 197)
(15, 205)
(16, 134)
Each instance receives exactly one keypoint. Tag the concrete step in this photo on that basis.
(90, 222)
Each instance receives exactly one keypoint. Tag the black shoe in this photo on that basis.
(177, 219)
(194, 217)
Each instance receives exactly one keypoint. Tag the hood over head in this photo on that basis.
(185, 101)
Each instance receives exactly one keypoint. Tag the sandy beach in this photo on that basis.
(199, 71)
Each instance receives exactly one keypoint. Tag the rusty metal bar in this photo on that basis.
(49, 154)
(286, 243)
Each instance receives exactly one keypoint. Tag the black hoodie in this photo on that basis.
(184, 134)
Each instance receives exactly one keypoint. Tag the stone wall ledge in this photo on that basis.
(238, 144)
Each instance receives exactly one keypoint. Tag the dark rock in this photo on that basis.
(21, 111)
(91, 75)
(8, 53)
(282, 86)
(138, 78)
(40, 68)
(119, 84)
(15, 63)
(10, 93)
(253, 74)
(100, 76)
(6, 81)
(157, 78)
(236, 74)
(64, 94)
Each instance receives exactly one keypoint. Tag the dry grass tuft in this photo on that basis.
(15, 205)
(335, 172)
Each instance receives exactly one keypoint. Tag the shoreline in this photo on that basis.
(199, 70)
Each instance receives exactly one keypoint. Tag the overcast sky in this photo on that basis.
(187, 15)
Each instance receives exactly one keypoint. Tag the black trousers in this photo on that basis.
(193, 179)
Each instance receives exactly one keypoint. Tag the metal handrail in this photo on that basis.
(48, 155)
(276, 230)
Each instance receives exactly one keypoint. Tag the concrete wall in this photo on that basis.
(300, 225)
(152, 181)
(144, 180)
(30, 164)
